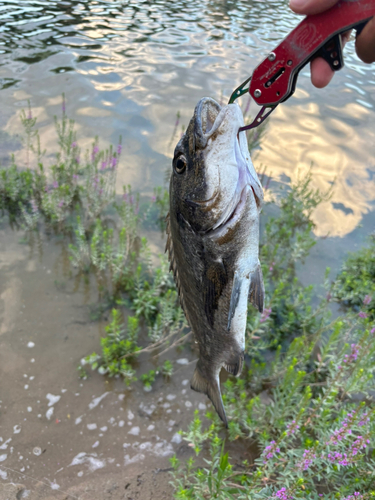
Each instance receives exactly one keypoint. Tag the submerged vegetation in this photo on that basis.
(304, 403)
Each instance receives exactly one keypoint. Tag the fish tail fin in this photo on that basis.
(208, 383)
(235, 364)
(256, 292)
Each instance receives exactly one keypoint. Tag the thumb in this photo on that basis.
(365, 42)
(309, 7)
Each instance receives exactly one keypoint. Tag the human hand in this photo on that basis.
(321, 73)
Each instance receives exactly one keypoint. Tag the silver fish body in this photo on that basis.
(213, 240)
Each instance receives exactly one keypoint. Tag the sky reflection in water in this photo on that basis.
(128, 68)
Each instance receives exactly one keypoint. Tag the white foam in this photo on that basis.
(78, 420)
(29, 409)
(91, 427)
(185, 382)
(130, 415)
(134, 431)
(3, 474)
(202, 406)
(31, 345)
(171, 397)
(182, 361)
(121, 423)
(16, 429)
(176, 438)
(52, 399)
(3, 457)
(92, 462)
(188, 404)
(49, 413)
(96, 444)
(151, 427)
(97, 400)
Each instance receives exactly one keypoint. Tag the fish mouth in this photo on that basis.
(209, 115)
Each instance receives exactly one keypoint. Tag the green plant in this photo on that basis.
(148, 379)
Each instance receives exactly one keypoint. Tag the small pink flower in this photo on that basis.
(367, 300)
(55, 185)
(362, 314)
(373, 330)
(73, 145)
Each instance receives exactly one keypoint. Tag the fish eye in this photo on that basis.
(180, 164)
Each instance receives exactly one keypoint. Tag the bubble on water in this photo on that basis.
(3, 457)
(202, 406)
(78, 420)
(24, 375)
(32, 360)
(185, 382)
(93, 463)
(183, 391)
(121, 397)
(169, 411)
(49, 413)
(151, 427)
(188, 404)
(52, 399)
(32, 377)
(96, 444)
(54, 485)
(121, 423)
(149, 410)
(63, 390)
(80, 473)
(26, 387)
(171, 397)
(182, 361)
(134, 431)
(104, 428)
(171, 423)
(3, 474)
(29, 409)
(16, 429)
(97, 400)
(130, 415)
(147, 388)
(91, 427)
(166, 405)
(31, 345)
(176, 438)
(37, 451)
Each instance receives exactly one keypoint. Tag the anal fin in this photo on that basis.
(256, 291)
(209, 384)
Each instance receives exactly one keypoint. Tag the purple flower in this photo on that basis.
(349, 358)
(291, 428)
(153, 198)
(283, 494)
(104, 164)
(362, 314)
(30, 116)
(95, 150)
(125, 196)
(78, 159)
(367, 300)
(372, 330)
(270, 451)
(308, 458)
(114, 162)
(265, 315)
(119, 149)
(73, 145)
(75, 177)
(61, 204)
(55, 185)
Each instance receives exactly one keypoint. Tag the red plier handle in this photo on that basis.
(274, 80)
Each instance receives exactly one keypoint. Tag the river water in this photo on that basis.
(128, 68)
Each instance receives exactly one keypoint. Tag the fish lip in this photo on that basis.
(205, 107)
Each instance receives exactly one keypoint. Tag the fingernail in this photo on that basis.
(297, 4)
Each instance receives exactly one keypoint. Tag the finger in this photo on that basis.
(365, 43)
(308, 7)
(321, 73)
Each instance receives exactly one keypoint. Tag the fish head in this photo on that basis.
(211, 167)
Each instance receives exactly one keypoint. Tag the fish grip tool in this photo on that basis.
(274, 79)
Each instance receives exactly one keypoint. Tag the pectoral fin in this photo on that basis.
(256, 291)
(209, 384)
(235, 297)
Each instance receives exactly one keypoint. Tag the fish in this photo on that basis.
(213, 240)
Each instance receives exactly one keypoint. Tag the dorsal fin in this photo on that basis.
(173, 265)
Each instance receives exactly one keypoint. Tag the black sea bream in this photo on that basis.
(213, 240)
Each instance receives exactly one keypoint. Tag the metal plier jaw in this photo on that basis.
(274, 79)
